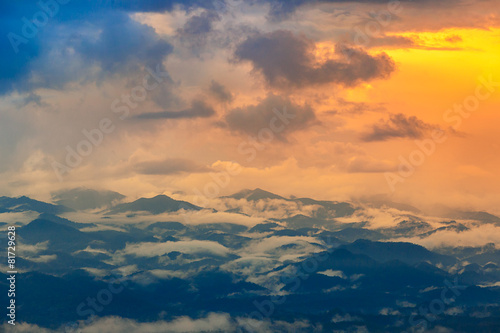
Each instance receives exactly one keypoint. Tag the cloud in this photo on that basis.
(453, 39)
(392, 41)
(199, 24)
(250, 266)
(332, 273)
(266, 209)
(166, 5)
(43, 258)
(286, 60)
(366, 163)
(18, 62)
(22, 217)
(83, 198)
(346, 107)
(113, 52)
(206, 216)
(198, 109)
(212, 322)
(480, 235)
(196, 30)
(24, 327)
(86, 46)
(415, 42)
(83, 34)
(377, 217)
(398, 126)
(347, 157)
(283, 9)
(159, 249)
(340, 319)
(27, 249)
(252, 119)
(221, 93)
(32, 98)
(265, 246)
(169, 166)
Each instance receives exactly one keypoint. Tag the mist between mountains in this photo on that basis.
(265, 308)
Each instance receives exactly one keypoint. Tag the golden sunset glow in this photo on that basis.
(250, 166)
(362, 100)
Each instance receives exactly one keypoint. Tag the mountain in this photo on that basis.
(380, 201)
(451, 226)
(479, 216)
(303, 221)
(255, 195)
(157, 205)
(63, 221)
(65, 236)
(450, 213)
(408, 228)
(24, 204)
(351, 234)
(265, 227)
(333, 273)
(60, 237)
(405, 252)
(339, 209)
(327, 208)
(83, 198)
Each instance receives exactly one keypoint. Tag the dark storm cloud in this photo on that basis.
(66, 53)
(121, 42)
(170, 166)
(221, 93)
(285, 60)
(82, 198)
(78, 9)
(399, 126)
(197, 29)
(77, 35)
(283, 9)
(199, 24)
(14, 65)
(253, 118)
(164, 5)
(32, 98)
(198, 109)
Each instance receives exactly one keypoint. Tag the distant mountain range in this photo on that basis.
(157, 205)
(254, 195)
(24, 204)
(338, 209)
(334, 268)
(110, 202)
(84, 198)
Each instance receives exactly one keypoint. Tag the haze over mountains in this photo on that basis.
(250, 166)
(335, 266)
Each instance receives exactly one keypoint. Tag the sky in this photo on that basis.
(328, 99)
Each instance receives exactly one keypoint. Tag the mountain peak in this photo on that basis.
(155, 205)
(82, 198)
(24, 203)
(254, 195)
